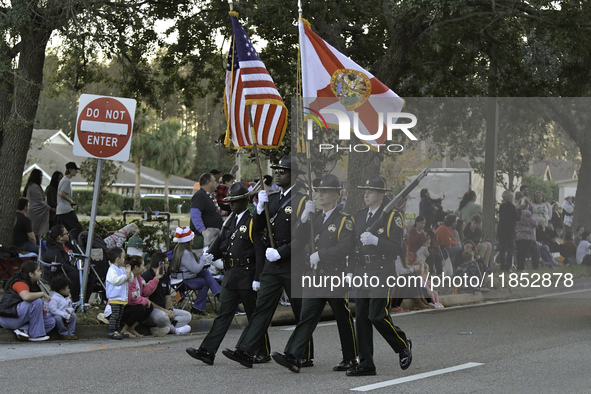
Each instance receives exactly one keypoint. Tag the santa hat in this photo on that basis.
(183, 234)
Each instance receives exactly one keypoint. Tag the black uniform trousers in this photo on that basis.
(312, 309)
(229, 300)
(374, 312)
(272, 286)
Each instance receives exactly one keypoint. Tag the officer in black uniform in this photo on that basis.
(376, 255)
(276, 274)
(241, 249)
(334, 240)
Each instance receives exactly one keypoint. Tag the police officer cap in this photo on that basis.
(329, 182)
(375, 182)
(287, 163)
(238, 191)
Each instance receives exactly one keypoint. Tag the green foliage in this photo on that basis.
(116, 204)
(112, 203)
(109, 174)
(536, 183)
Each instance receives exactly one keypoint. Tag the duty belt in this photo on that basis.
(372, 258)
(238, 262)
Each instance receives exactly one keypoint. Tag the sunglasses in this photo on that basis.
(280, 171)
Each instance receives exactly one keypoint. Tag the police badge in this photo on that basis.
(381, 230)
(288, 210)
(243, 229)
(332, 228)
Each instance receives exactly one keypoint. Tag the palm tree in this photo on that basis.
(141, 147)
(174, 154)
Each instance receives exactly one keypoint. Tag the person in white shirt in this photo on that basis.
(584, 249)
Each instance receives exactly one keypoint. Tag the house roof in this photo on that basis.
(555, 169)
(51, 149)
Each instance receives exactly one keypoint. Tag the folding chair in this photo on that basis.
(184, 296)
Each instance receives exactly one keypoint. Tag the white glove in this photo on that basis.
(262, 199)
(314, 259)
(256, 285)
(348, 279)
(207, 258)
(368, 238)
(272, 254)
(309, 209)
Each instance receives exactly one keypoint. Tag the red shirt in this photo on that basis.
(445, 236)
(20, 286)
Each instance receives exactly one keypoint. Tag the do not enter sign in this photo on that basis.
(104, 127)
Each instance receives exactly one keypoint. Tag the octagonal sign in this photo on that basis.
(104, 127)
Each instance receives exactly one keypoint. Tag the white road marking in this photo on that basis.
(411, 378)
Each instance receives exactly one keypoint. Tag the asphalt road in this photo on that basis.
(537, 345)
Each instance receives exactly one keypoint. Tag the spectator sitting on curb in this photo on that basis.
(138, 307)
(21, 306)
(61, 308)
(164, 319)
(584, 249)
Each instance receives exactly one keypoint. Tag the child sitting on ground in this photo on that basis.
(61, 307)
(117, 279)
(469, 269)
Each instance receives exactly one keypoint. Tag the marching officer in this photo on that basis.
(276, 275)
(334, 240)
(376, 256)
(241, 249)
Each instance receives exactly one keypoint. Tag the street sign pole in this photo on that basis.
(95, 196)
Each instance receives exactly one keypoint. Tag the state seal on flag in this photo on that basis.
(351, 87)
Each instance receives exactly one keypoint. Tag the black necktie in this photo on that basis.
(369, 215)
(323, 217)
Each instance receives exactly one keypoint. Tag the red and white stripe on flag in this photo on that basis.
(324, 73)
(251, 92)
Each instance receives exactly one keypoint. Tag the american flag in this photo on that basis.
(248, 83)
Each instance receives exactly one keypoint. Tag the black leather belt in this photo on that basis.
(372, 258)
(239, 262)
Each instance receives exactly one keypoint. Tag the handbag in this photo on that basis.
(448, 268)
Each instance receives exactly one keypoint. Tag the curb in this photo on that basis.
(283, 316)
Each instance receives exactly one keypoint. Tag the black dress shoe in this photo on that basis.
(240, 356)
(201, 354)
(361, 371)
(261, 359)
(406, 355)
(307, 363)
(346, 365)
(289, 361)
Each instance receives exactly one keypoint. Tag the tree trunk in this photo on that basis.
(16, 127)
(362, 165)
(166, 205)
(137, 198)
(582, 216)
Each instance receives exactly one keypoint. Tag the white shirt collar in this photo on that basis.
(327, 214)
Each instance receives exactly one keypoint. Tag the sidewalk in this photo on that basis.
(284, 316)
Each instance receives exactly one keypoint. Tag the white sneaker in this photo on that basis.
(39, 339)
(183, 330)
(101, 317)
(159, 331)
(22, 335)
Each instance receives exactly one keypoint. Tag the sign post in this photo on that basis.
(103, 131)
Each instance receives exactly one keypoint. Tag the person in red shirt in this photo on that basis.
(445, 236)
(21, 306)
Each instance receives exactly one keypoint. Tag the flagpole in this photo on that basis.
(306, 141)
(258, 161)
